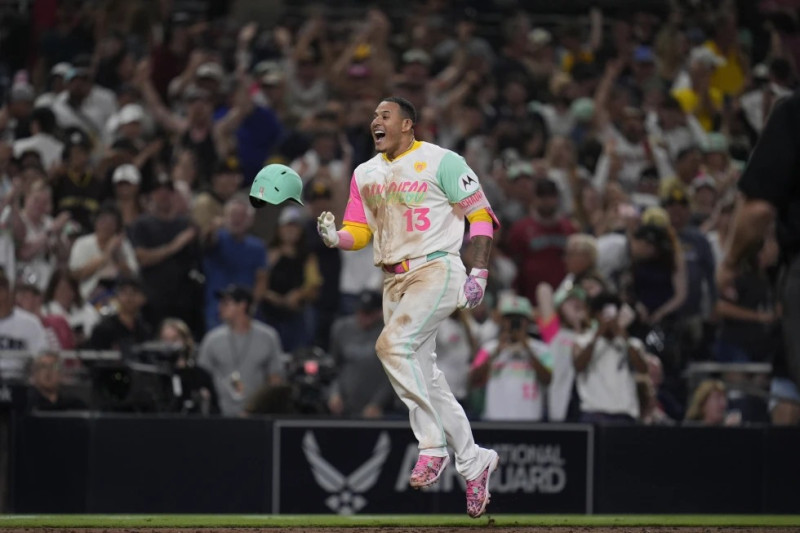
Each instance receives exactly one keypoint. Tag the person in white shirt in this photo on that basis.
(56, 83)
(605, 360)
(19, 331)
(84, 105)
(773, 84)
(42, 141)
(515, 366)
(456, 345)
(104, 254)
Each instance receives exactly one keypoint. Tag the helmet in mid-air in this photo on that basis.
(274, 184)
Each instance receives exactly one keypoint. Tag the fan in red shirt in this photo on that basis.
(537, 241)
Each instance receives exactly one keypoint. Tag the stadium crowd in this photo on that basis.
(609, 143)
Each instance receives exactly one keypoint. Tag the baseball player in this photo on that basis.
(412, 198)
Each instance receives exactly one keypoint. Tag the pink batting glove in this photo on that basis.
(471, 294)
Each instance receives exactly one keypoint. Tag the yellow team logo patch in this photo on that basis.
(419, 166)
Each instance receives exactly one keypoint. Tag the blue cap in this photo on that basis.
(643, 54)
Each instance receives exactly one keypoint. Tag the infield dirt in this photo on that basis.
(482, 529)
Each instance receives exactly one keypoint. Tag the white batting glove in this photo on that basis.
(471, 294)
(326, 227)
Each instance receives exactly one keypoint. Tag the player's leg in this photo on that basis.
(471, 459)
(414, 305)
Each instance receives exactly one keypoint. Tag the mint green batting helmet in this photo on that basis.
(274, 184)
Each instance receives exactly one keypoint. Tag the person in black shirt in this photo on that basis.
(126, 327)
(45, 393)
(77, 189)
(771, 200)
(169, 255)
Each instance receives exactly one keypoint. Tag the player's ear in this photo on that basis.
(408, 125)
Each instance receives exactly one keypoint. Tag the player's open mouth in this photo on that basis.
(378, 135)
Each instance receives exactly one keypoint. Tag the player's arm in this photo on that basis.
(766, 185)
(462, 188)
(480, 235)
(355, 232)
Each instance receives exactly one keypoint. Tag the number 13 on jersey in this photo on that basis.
(417, 219)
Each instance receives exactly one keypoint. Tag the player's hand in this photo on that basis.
(470, 295)
(326, 227)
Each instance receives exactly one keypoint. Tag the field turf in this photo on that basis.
(401, 521)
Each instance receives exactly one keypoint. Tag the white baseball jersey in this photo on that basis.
(513, 391)
(414, 204)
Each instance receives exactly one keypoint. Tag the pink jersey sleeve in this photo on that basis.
(480, 358)
(354, 212)
(548, 328)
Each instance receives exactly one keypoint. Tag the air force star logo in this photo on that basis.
(346, 492)
(468, 183)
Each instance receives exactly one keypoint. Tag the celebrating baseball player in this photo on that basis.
(412, 197)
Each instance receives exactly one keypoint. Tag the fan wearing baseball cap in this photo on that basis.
(514, 366)
(241, 354)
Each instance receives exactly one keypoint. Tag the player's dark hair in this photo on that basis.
(406, 108)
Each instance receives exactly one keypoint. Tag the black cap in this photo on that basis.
(237, 293)
(130, 282)
(228, 165)
(369, 301)
(546, 187)
(317, 190)
(652, 234)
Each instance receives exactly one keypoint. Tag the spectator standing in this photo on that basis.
(293, 281)
(748, 329)
(63, 298)
(605, 360)
(455, 347)
(192, 386)
(361, 388)
(39, 239)
(104, 254)
(19, 330)
(241, 354)
(42, 139)
(126, 182)
(516, 367)
(573, 319)
(126, 327)
(83, 104)
(77, 189)
(168, 254)
(537, 242)
(59, 334)
(207, 210)
(231, 256)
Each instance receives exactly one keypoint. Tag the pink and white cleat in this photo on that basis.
(428, 470)
(478, 496)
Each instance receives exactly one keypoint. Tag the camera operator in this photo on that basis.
(192, 386)
(604, 358)
(126, 327)
(514, 366)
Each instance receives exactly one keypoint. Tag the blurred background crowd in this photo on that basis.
(607, 135)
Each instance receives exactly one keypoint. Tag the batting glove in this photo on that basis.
(471, 294)
(326, 227)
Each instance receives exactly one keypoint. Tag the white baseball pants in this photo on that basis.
(414, 305)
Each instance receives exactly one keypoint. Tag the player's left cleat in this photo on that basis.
(478, 489)
(428, 470)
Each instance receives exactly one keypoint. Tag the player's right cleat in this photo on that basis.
(428, 470)
(478, 489)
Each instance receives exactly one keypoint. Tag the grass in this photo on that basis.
(139, 521)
